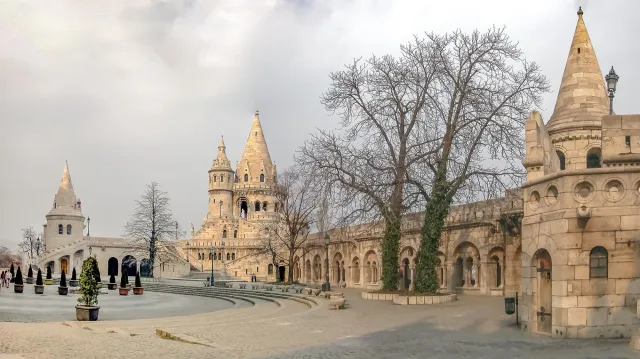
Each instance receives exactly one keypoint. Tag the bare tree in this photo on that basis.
(152, 228)
(298, 206)
(31, 243)
(7, 258)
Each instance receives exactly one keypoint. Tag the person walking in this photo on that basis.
(7, 278)
(2, 279)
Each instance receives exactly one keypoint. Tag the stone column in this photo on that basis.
(476, 267)
(412, 269)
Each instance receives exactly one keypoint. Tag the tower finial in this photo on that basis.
(257, 113)
(580, 12)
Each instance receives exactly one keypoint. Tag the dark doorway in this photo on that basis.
(243, 209)
(407, 274)
(112, 267)
(281, 271)
(145, 268)
(129, 264)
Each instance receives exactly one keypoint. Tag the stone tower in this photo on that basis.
(221, 178)
(582, 100)
(65, 222)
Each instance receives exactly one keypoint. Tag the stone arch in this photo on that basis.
(372, 270)
(129, 265)
(355, 270)
(244, 207)
(307, 270)
(256, 206)
(495, 267)
(145, 267)
(112, 266)
(337, 268)
(64, 264)
(296, 269)
(594, 157)
(542, 290)
(317, 268)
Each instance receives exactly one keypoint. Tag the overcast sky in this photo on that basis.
(134, 91)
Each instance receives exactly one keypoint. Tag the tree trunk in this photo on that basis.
(426, 278)
(291, 264)
(152, 254)
(390, 244)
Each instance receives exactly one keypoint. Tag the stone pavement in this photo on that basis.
(473, 327)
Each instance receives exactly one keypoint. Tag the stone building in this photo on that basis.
(66, 245)
(581, 215)
(242, 204)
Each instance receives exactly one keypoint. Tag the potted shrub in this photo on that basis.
(88, 308)
(30, 276)
(74, 281)
(137, 288)
(49, 280)
(39, 287)
(18, 285)
(62, 288)
(112, 282)
(13, 274)
(98, 279)
(123, 284)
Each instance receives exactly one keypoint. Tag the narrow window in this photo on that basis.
(562, 160)
(68, 229)
(224, 233)
(210, 256)
(60, 229)
(627, 140)
(235, 233)
(221, 178)
(270, 269)
(264, 206)
(246, 177)
(578, 50)
(228, 256)
(261, 177)
(215, 178)
(593, 158)
(257, 206)
(257, 269)
(598, 262)
(233, 256)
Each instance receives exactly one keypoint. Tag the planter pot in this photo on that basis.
(124, 291)
(138, 290)
(74, 282)
(84, 313)
(18, 288)
(30, 280)
(39, 289)
(112, 286)
(63, 290)
(48, 281)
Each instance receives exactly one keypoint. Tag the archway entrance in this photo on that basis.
(244, 208)
(458, 273)
(281, 272)
(543, 307)
(496, 261)
(129, 265)
(112, 266)
(64, 265)
(406, 274)
(145, 268)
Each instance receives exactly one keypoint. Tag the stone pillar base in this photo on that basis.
(635, 341)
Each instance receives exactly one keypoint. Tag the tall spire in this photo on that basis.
(582, 97)
(221, 160)
(65, 200)
(256, 154)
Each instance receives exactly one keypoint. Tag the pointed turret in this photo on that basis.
(65, 197)
(65, 222)
(256, 161)
(221, 160)
(582, 97)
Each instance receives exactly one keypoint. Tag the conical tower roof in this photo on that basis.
(582, 98)
(221, 161)
(65, 201)
(256, 156)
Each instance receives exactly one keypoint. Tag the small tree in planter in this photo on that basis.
(112, 282)
(39, 287)
(123, 284)
(13, 274)
(18, 285)
(62, 288)
(30, 276)
(49, 280)
(137, 289)
(88, 308)
(74, 281)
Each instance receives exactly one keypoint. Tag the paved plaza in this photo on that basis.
(473, 327)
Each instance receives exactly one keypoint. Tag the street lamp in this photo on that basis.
(89, 251)
(326, 286)
(612, 81)
(212, 249)
(88, 226)
(187, 255)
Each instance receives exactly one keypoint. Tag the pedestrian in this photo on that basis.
(7, 278)
(2, 279)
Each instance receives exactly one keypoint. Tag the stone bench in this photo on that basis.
(337, 303)
(298, 289)
(243, 286)
(268, 287)
(315, 292)
(332, 294)
(255, 286)
(228, 285)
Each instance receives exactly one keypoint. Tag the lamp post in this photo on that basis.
(612, 81)
(212, 250)
(326, 286)
(187, 255)
(89, 251)
(88, 226)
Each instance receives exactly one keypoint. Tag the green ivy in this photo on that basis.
(88, 285)
(390, 246)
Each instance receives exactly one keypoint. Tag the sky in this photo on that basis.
(130, 92)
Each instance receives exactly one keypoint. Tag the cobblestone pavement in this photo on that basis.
(473, 327)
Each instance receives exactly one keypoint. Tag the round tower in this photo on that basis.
(221, 178)
(65, 222)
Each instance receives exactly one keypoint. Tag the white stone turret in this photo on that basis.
(221, 178)
(65, 222)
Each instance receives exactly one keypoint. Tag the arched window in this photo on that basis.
(270, 269)
(68, 229)
(262, 177)
(221, 178)
(224, 233)
(264, 206)
(598, 262)
(562, 160)
(219, 256)
(593, 158)
(60, 229)
(228, 256)
(210, 256)
(215, 178)
(233, 256)
(257, 206)
(246, 177)
(235, 233)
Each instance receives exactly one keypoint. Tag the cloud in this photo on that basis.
(141, 90)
